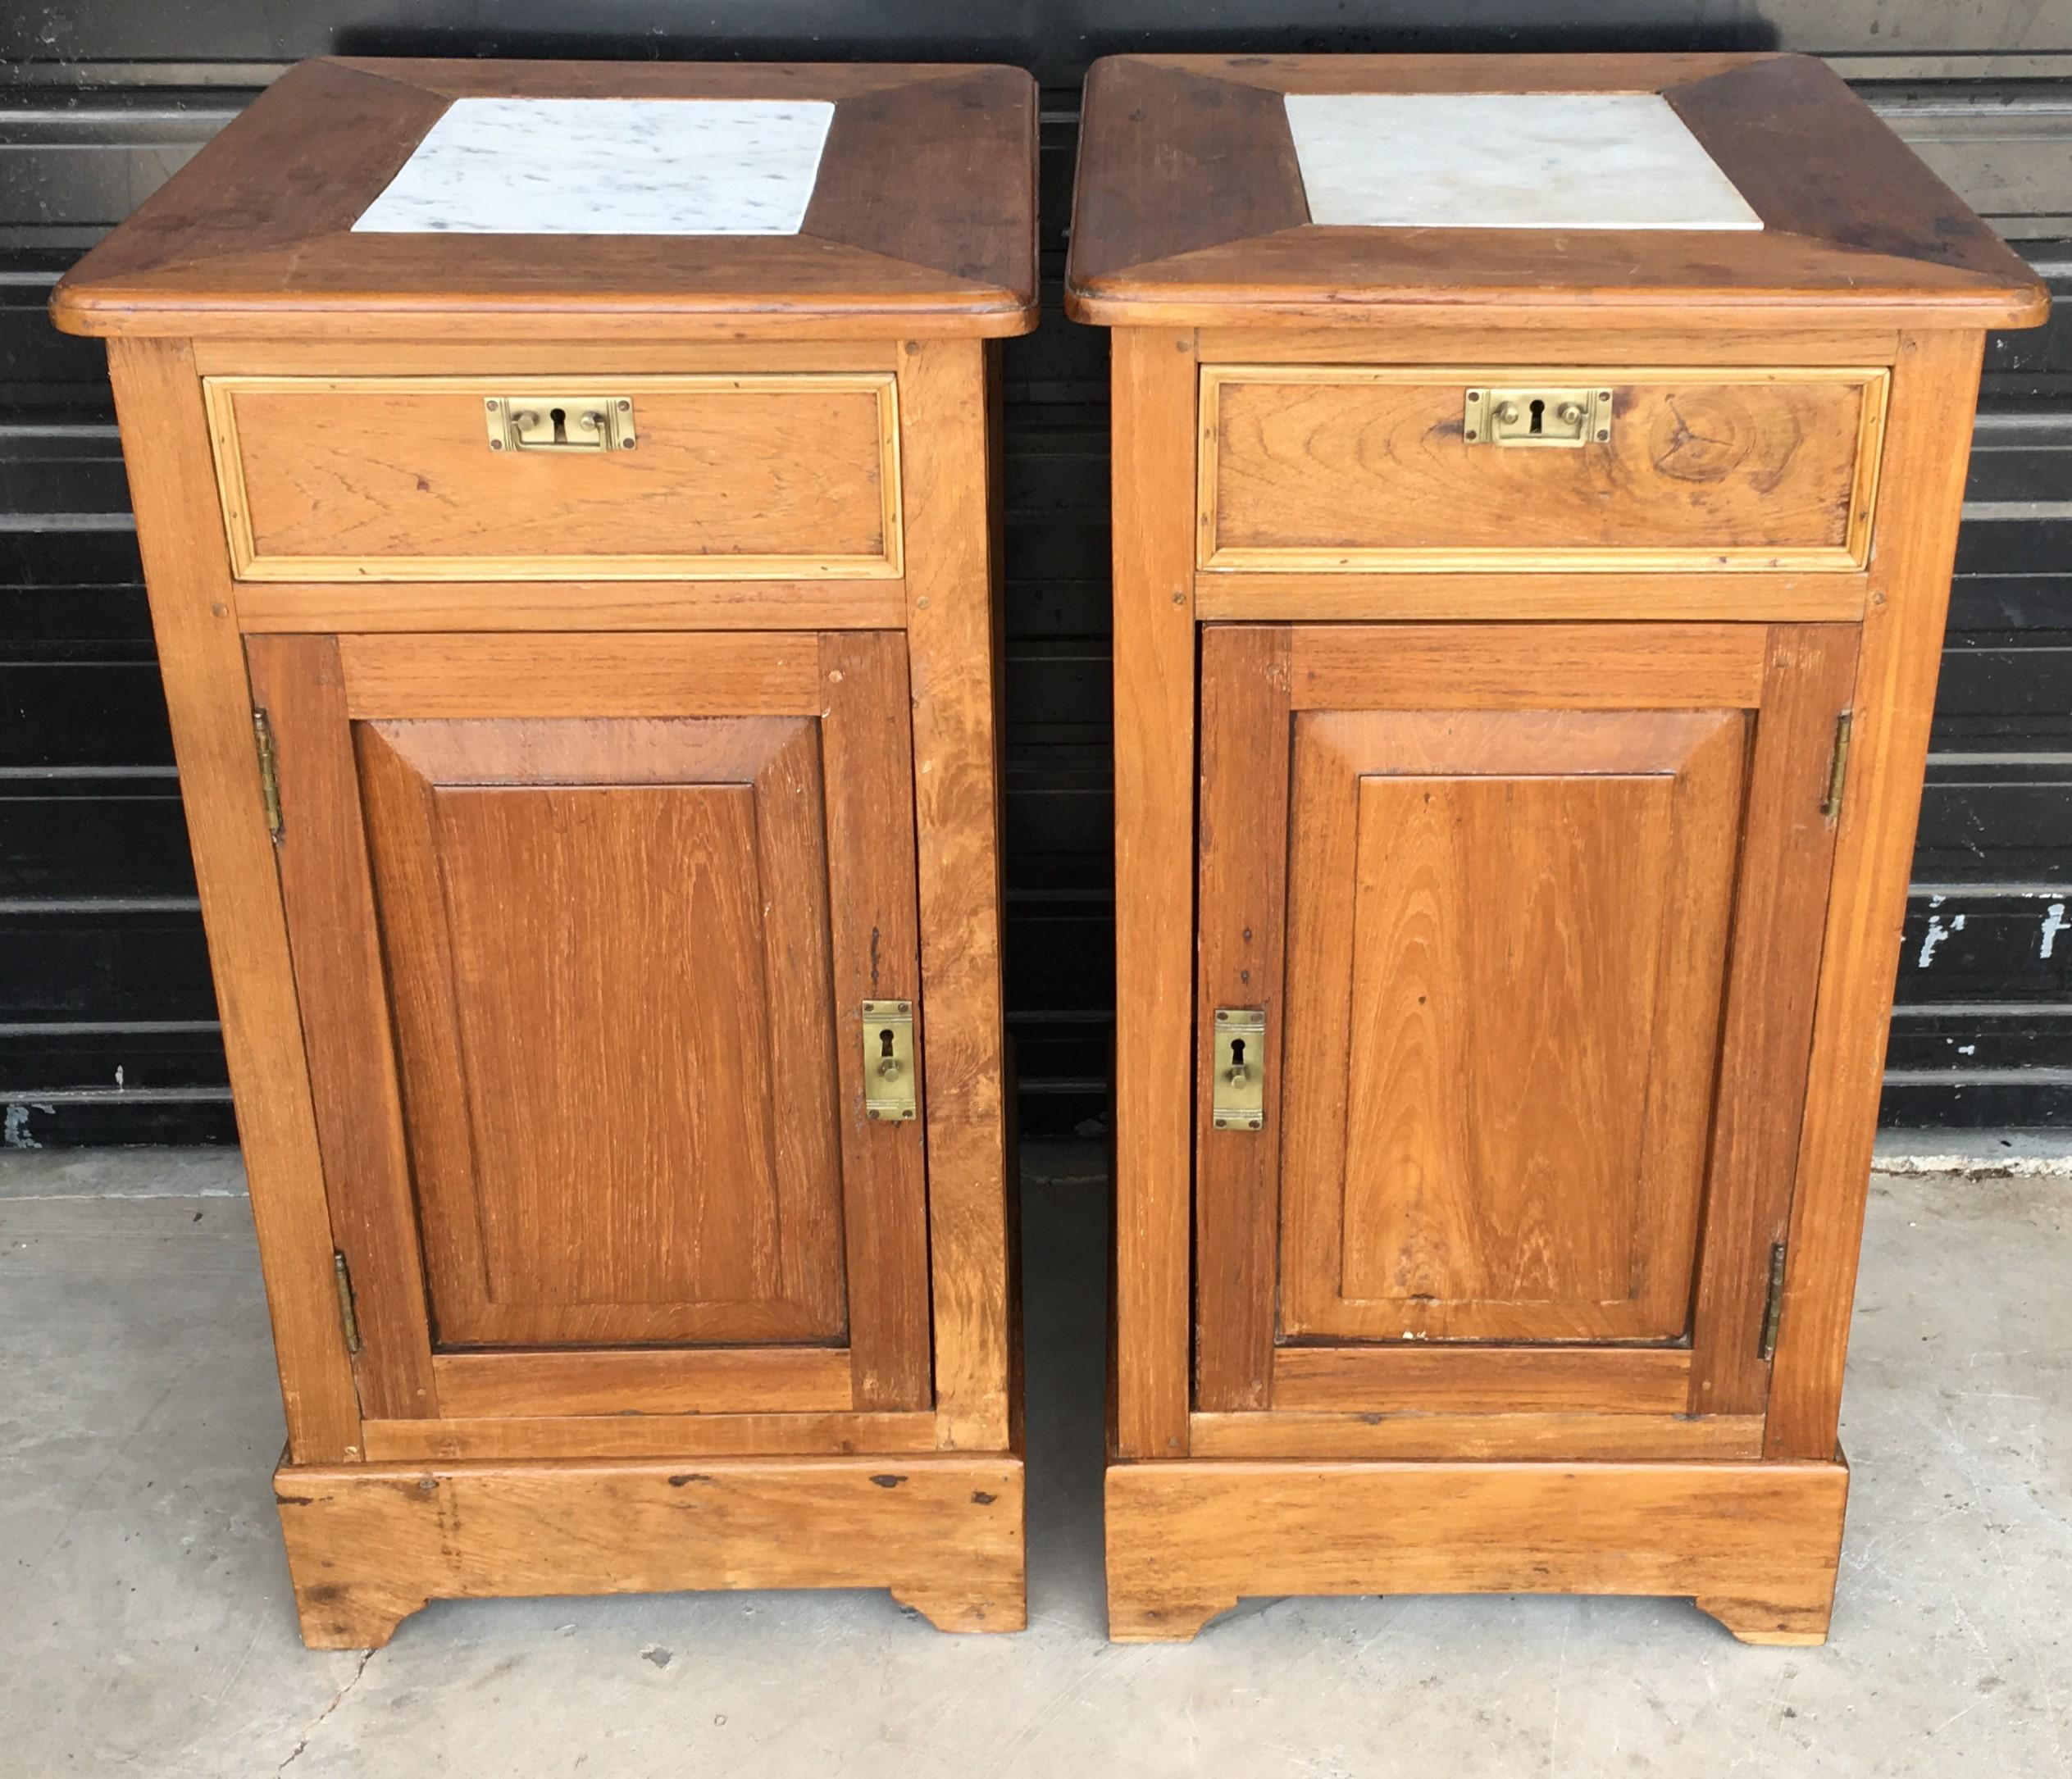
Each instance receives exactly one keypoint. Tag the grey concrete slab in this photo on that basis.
(148, 1627)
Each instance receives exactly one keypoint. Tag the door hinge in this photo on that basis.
(347, 1315)
(269, 778)
(1838, 767)
(1773, 1307)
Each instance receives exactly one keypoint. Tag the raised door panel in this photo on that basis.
(581, 953)
(1530, 913)
(609, 941)
(1510, 929)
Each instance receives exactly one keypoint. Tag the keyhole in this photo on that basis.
(559, 416)
(1237, 1059)
(888, 1064)
(1539, 413)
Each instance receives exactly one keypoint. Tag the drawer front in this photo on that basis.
(1306, 469)
(401, 479)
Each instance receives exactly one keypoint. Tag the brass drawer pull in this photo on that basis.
(559, 422)
(1565, 417)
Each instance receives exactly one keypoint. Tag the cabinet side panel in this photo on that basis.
(1935, 386)
(179, 532)
(1154, 390)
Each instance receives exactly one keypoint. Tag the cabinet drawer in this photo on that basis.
(401, 479)
(1306, 468)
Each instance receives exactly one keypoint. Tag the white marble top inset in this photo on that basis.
(1507, 160)
(610, 166)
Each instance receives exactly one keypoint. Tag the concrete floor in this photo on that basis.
(145, 1618)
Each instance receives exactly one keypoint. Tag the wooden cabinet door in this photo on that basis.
(1534, 912)
(582, 928)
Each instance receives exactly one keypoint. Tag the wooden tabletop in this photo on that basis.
(1192, 207)
(844, 200)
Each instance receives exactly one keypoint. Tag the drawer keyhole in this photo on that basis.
(1538, 415)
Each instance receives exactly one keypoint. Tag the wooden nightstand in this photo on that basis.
(564, 492)
(1536, 482)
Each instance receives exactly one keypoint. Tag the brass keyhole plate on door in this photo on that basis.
(1237, 1069)
(559, 422)
(1536, 416)
(889, 1096)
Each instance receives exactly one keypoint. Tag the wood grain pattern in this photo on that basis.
(158, 401)
(1242, 900)
(484, 606)
(656, 674)
(586, 914)
(1149, 130)
(328, 892)
(1932, 385)
(953, 586)
(1857, 233)
(872, 906)
(1748, 596)
(1493, 1436)
(369, 1544)
(787, 476)
(557, 358)
(254, 238)
(1495, 1126)
(1308, 468)
(1154, 375)
(539, 1438)
(1788, 851)
(1526, 666)
(1411, 336)
(1515, 1378)
(661, 1381)
(1186, 1540)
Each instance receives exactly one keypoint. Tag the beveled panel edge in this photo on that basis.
(1871, 382)
(219, 392)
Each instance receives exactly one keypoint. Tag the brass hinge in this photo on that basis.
(1838, 767)
(1774, 1309)
(269, 778)
(348, 1315)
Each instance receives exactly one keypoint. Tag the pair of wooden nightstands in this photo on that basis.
(564, 491)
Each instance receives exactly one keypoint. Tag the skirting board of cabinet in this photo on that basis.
(1756, 1546)
(369, 1544)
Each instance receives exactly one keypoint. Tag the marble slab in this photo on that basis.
(610, 166)
(1507, 160)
